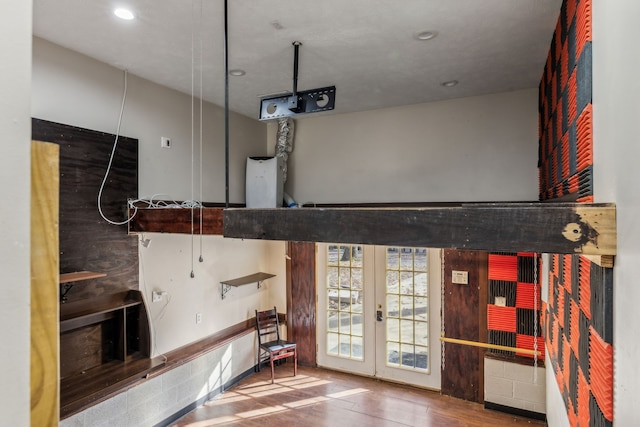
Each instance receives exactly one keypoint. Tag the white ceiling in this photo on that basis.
(366, 48)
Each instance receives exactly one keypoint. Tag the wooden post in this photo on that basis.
(45, 389)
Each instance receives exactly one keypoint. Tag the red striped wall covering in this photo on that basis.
(578, 318)
(512, 277)
(579, 336)
(565, 159)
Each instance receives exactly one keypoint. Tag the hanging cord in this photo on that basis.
(536, 318)
(113, 152)
(442, 308)
(192, 131)
(201, 259)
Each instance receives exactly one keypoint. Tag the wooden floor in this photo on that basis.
(318, 397)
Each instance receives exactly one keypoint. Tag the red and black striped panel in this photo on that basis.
(579, 337)
(513, 277)
(565, 93)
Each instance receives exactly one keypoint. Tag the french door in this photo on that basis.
(379, 312)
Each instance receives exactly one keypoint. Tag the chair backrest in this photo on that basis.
(268, 325)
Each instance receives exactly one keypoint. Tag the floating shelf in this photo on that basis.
(79, 275)
(258, 278)
(68, 278)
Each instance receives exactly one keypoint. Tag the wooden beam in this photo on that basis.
(569, 228)
(44, 284)
(176, 220)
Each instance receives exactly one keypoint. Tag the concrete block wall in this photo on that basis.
(514, 385)
(159, 398)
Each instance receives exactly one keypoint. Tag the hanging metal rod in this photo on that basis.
(226, 105)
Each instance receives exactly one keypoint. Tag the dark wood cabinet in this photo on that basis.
(104, 345)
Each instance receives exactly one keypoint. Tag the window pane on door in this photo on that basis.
(407, 308)
(345, 301)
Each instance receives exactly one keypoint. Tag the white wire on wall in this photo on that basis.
(106, 173)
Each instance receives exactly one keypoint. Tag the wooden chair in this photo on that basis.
(270, 346)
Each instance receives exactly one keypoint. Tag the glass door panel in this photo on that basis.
(342, 275)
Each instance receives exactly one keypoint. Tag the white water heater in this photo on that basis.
(264, 185)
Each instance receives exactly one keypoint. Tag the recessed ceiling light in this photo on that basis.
(426, 35)
(125, 14)
(237, 72)
(450, 83)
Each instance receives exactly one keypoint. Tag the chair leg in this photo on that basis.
(272, 370)
(295, 362)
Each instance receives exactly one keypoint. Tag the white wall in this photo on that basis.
(73, 89)
(482, 148)
(514, 385)
(166, 265)
(556, 411)
(15, 164)
(616, 90)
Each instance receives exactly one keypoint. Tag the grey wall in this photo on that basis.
(15, 166)
(616, 90)
(482, 148)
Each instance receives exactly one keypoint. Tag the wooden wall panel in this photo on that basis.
(301, 300)
(87, 242)
(44, 285)
(80, 350)
(463, 372)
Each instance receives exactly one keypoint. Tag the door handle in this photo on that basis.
(379, 315)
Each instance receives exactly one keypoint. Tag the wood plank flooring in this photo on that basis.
(318, 397)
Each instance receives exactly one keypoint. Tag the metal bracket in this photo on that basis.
(224, 288)
(297, 102)
(65, 290)
(306, 101)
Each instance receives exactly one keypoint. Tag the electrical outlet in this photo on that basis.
(198, 318)
(165, 142)
(156, 296)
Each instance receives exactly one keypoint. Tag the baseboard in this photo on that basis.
(515, 411)
(184, 411)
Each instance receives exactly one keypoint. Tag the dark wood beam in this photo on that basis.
(571, 228)
(176, 220)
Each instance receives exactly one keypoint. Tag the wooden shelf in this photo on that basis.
(82, 313)
(89, 387)
(79, 275)
(245, 280)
